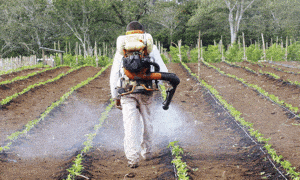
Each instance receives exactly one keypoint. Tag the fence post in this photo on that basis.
(264, 49)
(179, 46)
(199, 56)
(95, 54)
(43, 54)
(76, 53)
(286, 48)
(244, 45)
(61, 58)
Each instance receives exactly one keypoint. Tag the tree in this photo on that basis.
(26, 25)
(236, 8)
(165, 14)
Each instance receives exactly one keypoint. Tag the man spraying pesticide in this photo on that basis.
(135, 74)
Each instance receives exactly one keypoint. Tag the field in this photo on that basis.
(45, 128)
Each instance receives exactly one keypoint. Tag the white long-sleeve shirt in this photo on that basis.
(117, 67)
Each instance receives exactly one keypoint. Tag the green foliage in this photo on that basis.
(174, 52)
(294, 52)
(234, 54)
(70, 60)
(23, 68)
(253, 54)
(181, 166)
(275, 53)
(212, 54)
(164, 58)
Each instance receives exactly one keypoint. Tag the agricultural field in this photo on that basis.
(230, 120)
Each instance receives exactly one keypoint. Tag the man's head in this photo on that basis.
(134, 25)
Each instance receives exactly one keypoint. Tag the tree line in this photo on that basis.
(27, 25)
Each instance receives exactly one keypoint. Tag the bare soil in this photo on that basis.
(287, 92)
(17, 86)
(291, 64)
(270, 119)
(283, 75)
(284, 67)
(12, 75)
(215, 147)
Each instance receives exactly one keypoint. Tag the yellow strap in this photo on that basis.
(134, 32)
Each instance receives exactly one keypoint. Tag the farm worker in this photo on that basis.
(135, 105)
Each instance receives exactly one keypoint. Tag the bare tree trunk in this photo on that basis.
(286, 49)
(179, 46)
(234, 23)
(199, 54)
(263, 44)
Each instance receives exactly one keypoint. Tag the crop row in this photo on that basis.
(19, 78)
(9, 98)
(32, 123)
(269, 74)
(259, 89)
(23, 68)
(181, 167)
(277, 68)
(77, 167)
(255, 133)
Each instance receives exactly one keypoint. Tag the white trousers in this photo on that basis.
(137, 120)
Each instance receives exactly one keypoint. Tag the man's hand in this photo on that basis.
(118, 104)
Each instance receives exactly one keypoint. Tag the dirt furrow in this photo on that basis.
(270, 119)
(288, 93)
(49, 149)
(283, 75)
(30, 105)
(12, 75)
(288, 68)
(18, 86)
(216, 147)
(290, 64)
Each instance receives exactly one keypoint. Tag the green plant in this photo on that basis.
(31, 124)
(275, 53)
(181, 166)
(174, 52)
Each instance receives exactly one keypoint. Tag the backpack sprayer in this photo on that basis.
(137, 66)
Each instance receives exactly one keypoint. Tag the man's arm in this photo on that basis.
(115, 69)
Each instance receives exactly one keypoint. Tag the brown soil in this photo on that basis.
(17, 86)
(287, 92)
(215, 147)
(12, 75)
(283, 75)
(292, 64)
(32, 104)
(14, 166)
(284, 67)
(269, 118)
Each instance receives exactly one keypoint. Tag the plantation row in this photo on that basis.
(236, 53)
(218, 72)
(283, 160)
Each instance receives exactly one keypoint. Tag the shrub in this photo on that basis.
(70, 60)
(275, 53)
(294, 52)
(164, 58)
(253, 54)
(212, 54)
(174, 52)
(234, 54)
